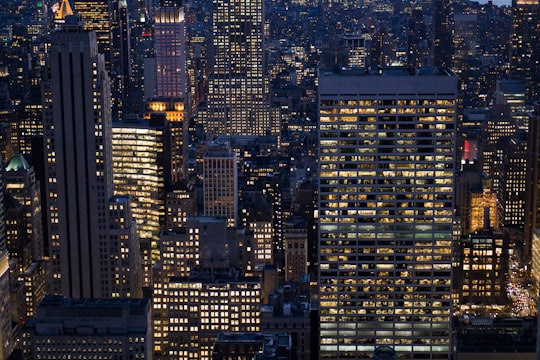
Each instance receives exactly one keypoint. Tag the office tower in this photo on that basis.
(514, 189)
(220, 183)
(481, 279)
(35, 278)
(125, 265)
(21, 184)
(296, 250)
(533, 208)
(202, 244)
(355, 45)
(8, 135)
(96, 15)
(386, 150)
(140, 170)
(170, 52)
(121, 64)
(512, 93)
(442, 42)
(30, 125)
(77, 127)
(238, 89)
(6, 331)
(262, 241)
(479, 203)
(91, 328)
(173, 112)
(465, 35)
(202, 305)
(525, 46)
(180, 203)
(379, 51)
(498, 127)
(7, 342)
(417, 39)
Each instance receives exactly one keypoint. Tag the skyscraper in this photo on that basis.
(170, 52)
(525, 46)
(77, 127)
(221, 184)
(386, 150)
(121, 63)
(442, 42)
(7, 343)
(97, 17)
(140, 169)
(238, 89)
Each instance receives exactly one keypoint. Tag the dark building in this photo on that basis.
(442, 43)
(252, 345)
(525, 46)
(486, 338)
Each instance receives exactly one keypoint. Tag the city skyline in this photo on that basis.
(304, 179)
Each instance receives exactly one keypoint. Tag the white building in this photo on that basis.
(386, 150)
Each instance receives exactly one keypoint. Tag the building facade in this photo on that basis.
(91, 328)
(220, 184)
(170, 52)
(238, 90)
(79, 167)
(386, 150)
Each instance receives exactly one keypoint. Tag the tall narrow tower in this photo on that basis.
(238, 89)
(79, 170)
(386, 150)
(170, 51)
(525, 46)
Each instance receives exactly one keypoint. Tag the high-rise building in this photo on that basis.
(170, 52)
(498, 127)
(7, 342)
(77, 127)
(514, 182)
(202, 305)
(479, 203)
(484, 263)
(97, 17)
(238, 89)
(140, 169)
(180, 203)
(355, 45)
(125, 265)
(525, 46)
(442, 42)
(173, 112)
(121, 63)
(512, 93)
(91, 328)
(386, 150)
(220, 180)
(296, 250)
(21, 184)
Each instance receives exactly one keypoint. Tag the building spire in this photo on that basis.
(65, 10)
